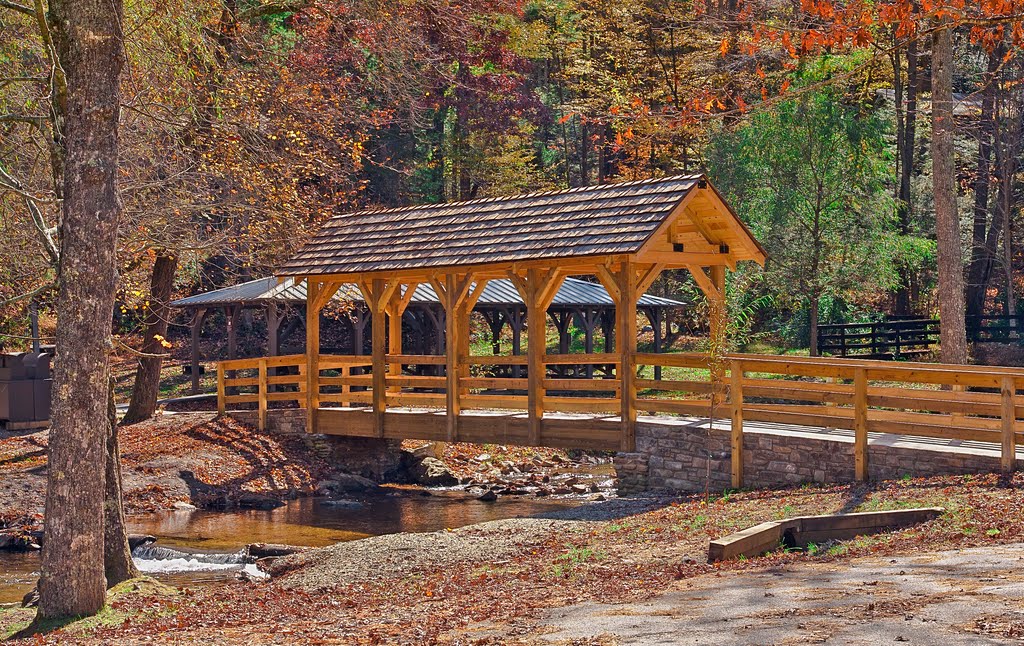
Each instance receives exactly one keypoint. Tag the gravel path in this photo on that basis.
(397, 555)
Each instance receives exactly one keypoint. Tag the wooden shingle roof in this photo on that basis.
(590, 221)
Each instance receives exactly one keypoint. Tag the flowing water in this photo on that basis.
(199, 547)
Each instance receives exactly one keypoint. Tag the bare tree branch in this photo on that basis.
(20, 8)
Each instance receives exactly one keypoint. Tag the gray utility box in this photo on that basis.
(25, 390)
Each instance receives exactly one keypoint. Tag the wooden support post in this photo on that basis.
(221, 404)
(536, 327)
(396, 311)
(860, 424)
(231, 312)
(1008, 411)
(346, 388)
(313, 290)
(736, 428)
(378, 342)
(262, 394)
(452, 328)
(197, 329)
(626, 315)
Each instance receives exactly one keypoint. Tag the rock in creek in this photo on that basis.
(431, 472)
(346, 483)
(488, 496)
(258, 501)
(264, 550)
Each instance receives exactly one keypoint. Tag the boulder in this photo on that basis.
(431, 472)
(488, 496)
(345, 483)
(251, 500)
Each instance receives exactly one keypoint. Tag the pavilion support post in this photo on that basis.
(273, 327)
(231, 312)
(516, 322)
(197, 329)
(626, 323)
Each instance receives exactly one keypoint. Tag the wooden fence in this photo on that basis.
(971, 403)
(897, 339)
(996, 329)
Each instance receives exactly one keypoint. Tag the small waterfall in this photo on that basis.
(154, 558)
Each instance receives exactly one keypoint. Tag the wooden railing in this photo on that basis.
(967, 403)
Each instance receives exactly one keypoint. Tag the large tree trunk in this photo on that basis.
(147, 377)
(981, 258)
(117, 555)
(907, 146)
(91, 52)
(815, 312)
(953, 336)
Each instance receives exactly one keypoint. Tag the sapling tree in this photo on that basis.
(808, 176)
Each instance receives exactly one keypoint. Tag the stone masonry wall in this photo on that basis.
(683, 455)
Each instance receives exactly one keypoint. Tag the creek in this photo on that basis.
(197, 547)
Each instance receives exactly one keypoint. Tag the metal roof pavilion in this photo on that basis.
(573, 293)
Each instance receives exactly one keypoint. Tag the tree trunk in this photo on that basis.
(953, 336)
(981, 258)
(147, 378)
(89, 45)
(117, 555)
(815, 306)
(906, 145)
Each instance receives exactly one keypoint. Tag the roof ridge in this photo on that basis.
(524, 196)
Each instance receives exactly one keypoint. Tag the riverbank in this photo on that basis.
(504, 582)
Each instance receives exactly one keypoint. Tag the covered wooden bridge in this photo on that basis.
(622, 235)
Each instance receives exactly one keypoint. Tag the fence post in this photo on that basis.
(261, 394)
(736, 427)
(221, 404)
(1009, 418)
(346, 372)
(860, 423)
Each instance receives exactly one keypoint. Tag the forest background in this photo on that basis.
(245, 125)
